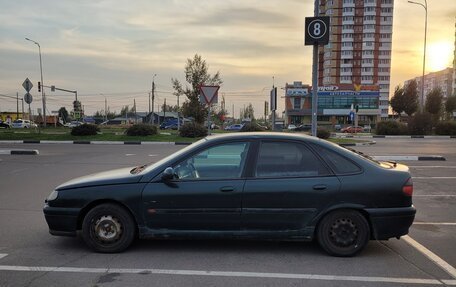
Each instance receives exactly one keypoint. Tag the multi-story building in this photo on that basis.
(454, 62)
(441, 79)
(335, 103)
(359, 50)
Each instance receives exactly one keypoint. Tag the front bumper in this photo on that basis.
(391, 222)
(62, 221)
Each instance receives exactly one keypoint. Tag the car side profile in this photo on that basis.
(271, 186)
(352, 129)
(23, 124)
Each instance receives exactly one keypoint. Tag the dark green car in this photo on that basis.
(255, 186)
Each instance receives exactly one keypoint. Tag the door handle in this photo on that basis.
(227, 189)
(319, 187)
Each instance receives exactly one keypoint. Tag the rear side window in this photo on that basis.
(337, 162)
(288, 159)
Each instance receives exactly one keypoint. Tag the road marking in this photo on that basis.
(222, 274)
(2, 255)
(449, 282)
(433, 177)
(153, 155)
(434, 195)
(130, 154)
(432, 256)
(431, 166)
(435, 223)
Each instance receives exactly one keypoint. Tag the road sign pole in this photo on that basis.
(315, 79)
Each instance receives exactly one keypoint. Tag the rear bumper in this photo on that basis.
(61, 221)
(391, 222)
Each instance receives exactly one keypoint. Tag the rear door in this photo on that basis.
(290, 185)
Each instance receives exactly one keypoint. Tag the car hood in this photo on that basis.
(117, 176)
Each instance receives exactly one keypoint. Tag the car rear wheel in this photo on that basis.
(343, 233)
(108, 228)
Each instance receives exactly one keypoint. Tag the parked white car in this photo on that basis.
(23, 124)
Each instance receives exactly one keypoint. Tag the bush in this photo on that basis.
(420, 124)
(251, 127)
(85, 130)
(446, 128)
(192, 130)
(323, 133)
(141, 130)
(391, 128)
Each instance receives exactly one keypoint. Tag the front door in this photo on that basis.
(204, 196)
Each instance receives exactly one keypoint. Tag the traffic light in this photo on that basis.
(39, 86)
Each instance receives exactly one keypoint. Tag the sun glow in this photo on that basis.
(439, 56)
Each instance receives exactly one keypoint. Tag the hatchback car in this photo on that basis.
(270, 186)
(236, 127)
(23, 124)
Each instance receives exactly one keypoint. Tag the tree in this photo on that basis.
(196, 74)
(248, 112)
(398, 101)
(450, 105)
(411, 98)
(169, 108)
(434, 102)
(63, 114)
(128, 111)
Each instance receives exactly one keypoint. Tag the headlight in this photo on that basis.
(53, 196)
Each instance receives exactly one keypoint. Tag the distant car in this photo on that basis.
(303, 128)
(291, 127)
(278, 186)
(4, 125)
(236, 127)
(367, 129)
(352, 129)
(73, 124)
(23, 124)
(337, 127)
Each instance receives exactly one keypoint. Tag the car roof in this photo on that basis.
(263, 135)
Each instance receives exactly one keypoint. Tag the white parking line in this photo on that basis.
(3, 255)
(432, 256)
(435, 223)
(223, 274)
(433, 177)
(130, 154)
(431, 166)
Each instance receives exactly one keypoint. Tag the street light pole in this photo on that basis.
(43, 96)
(424, 55)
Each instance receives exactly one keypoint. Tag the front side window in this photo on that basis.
(288, 159)
(224, 161)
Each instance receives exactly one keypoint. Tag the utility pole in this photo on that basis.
(164, 111)
(153, 98)
(17, 105)
(178, 117)
(106, 109)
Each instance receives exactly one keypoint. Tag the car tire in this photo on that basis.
(108, 228)
(343, 233)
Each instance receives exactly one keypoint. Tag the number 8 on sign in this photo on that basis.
(317, 29)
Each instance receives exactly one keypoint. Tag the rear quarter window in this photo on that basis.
(338, 163)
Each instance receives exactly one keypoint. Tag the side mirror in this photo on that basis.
(168, 174)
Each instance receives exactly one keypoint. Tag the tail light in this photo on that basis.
(407, 189)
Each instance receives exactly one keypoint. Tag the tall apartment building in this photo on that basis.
(443, 79)
(359, 51)
(454, 62)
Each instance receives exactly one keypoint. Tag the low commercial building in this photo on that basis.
(335, 103)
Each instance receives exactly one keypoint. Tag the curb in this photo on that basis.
(396, 137)
(20, 152)
(410, 158)
(358, 144)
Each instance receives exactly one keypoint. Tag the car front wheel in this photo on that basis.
(108, 228)
(343, 233)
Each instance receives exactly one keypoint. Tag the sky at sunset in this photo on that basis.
(111, 49)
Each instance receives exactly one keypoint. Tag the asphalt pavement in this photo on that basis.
(30, 256)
